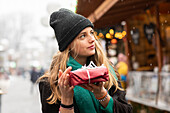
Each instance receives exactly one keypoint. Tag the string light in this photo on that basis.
(120, 35)
(111, 34)
(111, 31)
(113, 41)
(124, 33)
(108, 36)
(101, 35)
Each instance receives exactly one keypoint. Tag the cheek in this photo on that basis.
(80, 48)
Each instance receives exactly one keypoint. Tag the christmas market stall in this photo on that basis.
(140, 29)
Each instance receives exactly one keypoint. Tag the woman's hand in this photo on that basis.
(65, 89)
(98, 90)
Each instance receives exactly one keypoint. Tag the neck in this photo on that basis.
(81, 60)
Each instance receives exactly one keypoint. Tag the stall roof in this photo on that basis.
(120, 11)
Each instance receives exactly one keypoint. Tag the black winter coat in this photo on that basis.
(120, 104)
(34, 76)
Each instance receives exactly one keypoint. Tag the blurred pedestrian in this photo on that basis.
(78, 45)
(41, 72)
(122, 69)
(34, 76)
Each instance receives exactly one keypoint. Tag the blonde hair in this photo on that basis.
(60, 62)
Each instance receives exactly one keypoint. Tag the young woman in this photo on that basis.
(77, 47)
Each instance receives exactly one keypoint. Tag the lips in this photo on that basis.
(91, 47)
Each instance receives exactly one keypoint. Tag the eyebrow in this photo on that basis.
(85, 32)
(82, 32)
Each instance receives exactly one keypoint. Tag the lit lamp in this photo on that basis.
(108, 36)
(113, 41)
(118, 35)
(124, 33)
(111, 31)
(101, 35)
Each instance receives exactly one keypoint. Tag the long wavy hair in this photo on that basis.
(59, 61)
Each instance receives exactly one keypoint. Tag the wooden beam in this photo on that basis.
(134, 2)
(128, 8)
(159, 52)
(115, 19)
(129, 3)
(86, 7)
(120, 15)
(101, 10)
(127, 46)
(99, 25)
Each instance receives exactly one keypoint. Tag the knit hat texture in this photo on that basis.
(67, 25)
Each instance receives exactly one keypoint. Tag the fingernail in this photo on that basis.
(70, 67)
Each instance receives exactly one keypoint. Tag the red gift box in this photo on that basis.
(89, 75)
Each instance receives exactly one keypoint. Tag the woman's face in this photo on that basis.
(84, 43)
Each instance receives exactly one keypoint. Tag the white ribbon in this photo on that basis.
(88, 75)
(90, 66)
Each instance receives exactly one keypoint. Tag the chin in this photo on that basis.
(88, 53)
(91, 53)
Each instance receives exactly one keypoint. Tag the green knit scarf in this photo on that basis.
(84, 100)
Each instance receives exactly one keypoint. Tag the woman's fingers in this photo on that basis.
(66, 82)
(64, 79)
(100, 84)
(66, 76)
(67, 70)
(60, 73)
(60, 76)
(95, 88)
(72, 87)
(86, 86)
(83, 86)
(63, 82)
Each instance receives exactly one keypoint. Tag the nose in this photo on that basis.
(91, 38)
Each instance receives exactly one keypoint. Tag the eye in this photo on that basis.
(82, 36)
(92, 32)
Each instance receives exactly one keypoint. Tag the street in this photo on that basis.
(19, 98)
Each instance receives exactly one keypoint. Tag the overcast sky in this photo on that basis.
(32, 6)
(38, 9)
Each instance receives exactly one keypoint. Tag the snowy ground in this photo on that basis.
(19, 98)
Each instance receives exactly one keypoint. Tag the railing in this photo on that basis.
(143, 88)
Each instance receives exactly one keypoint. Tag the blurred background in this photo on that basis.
(135, 35)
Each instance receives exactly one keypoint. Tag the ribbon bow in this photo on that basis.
(90, 66)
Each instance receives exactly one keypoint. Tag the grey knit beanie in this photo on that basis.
(67, 25)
